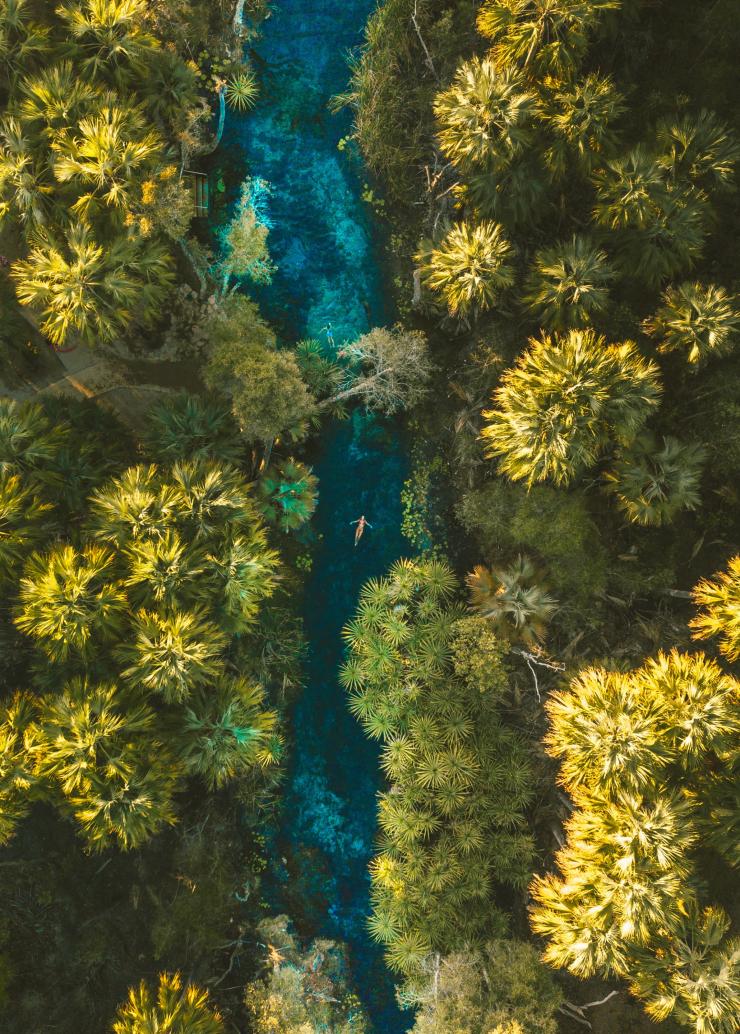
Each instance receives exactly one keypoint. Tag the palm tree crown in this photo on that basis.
(470, 267)
(569, 284)
(654, 483)
(699, 320)
(561, 404)
(485, 117)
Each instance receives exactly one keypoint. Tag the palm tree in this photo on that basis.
(630, 190)
(69, 600)
(18, 779)
(543, 37)
(518, 194)
(569, 284)
(26, 187)
(287, 494)
(485, 118)
(653, 484)
(701, 704)
(165, 572)
(137, 505)
(111, 37)
(24, 522)
(561, 404)
(188, 427)
(104, 153)
(29, 442)
(89, 733)
(606, 733)
(698, 149)
(55, 98)
(660, 229)
(23, 42)
(212, 498)
(699, 320)
(245, 573)
(581, 115)
(225, 732)
(90, 289)
(242, 90)
(170, 1009)
(694, 977)
(172, 654)
(513, 599)
(719, 598)
(129, 805)
(469, 268)
(170, 89)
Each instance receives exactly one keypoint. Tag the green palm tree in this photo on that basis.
(654, 483)
(695, 975)
(485, 117)
(630, 190)
(563, 402)
(518, 194)
(513, 599)
(24, 522)
(165, 572)
(719, 600)
(172, 654)
(103, 154)
(55, 98)
(581, 115)
(569, 284)
(544, 37)
(18, 779)
(170, 1008)
(699, 320)
(606, 733)
(188, 427)
(212, 498)
(137, 505)
(698, 149)
(245, 572)
(287, 494)
(69, 600)
(170, 90)
(111, 38)
(96, 291)
(26, 186)
(23, 42)
(469, 268)
(29, 442)
(129, 805)
(225, 732)
(660, 229)
(88, 733)
(242, 90)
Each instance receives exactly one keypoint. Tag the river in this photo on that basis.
(328, 275)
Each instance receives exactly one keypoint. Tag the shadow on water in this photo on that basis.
(328, 274)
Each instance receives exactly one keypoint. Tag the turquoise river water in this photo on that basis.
(328, 274)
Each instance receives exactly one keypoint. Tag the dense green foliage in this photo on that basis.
(562, 175)
(452, 818)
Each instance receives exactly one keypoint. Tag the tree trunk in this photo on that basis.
(238, 16)
(221, 121)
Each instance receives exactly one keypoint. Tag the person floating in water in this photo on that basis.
(361, 525)
(329, 331)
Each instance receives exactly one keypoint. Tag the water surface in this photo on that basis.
(329, 286)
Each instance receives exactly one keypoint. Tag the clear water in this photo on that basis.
(328, 274)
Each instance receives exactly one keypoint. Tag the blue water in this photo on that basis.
(328, 274)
